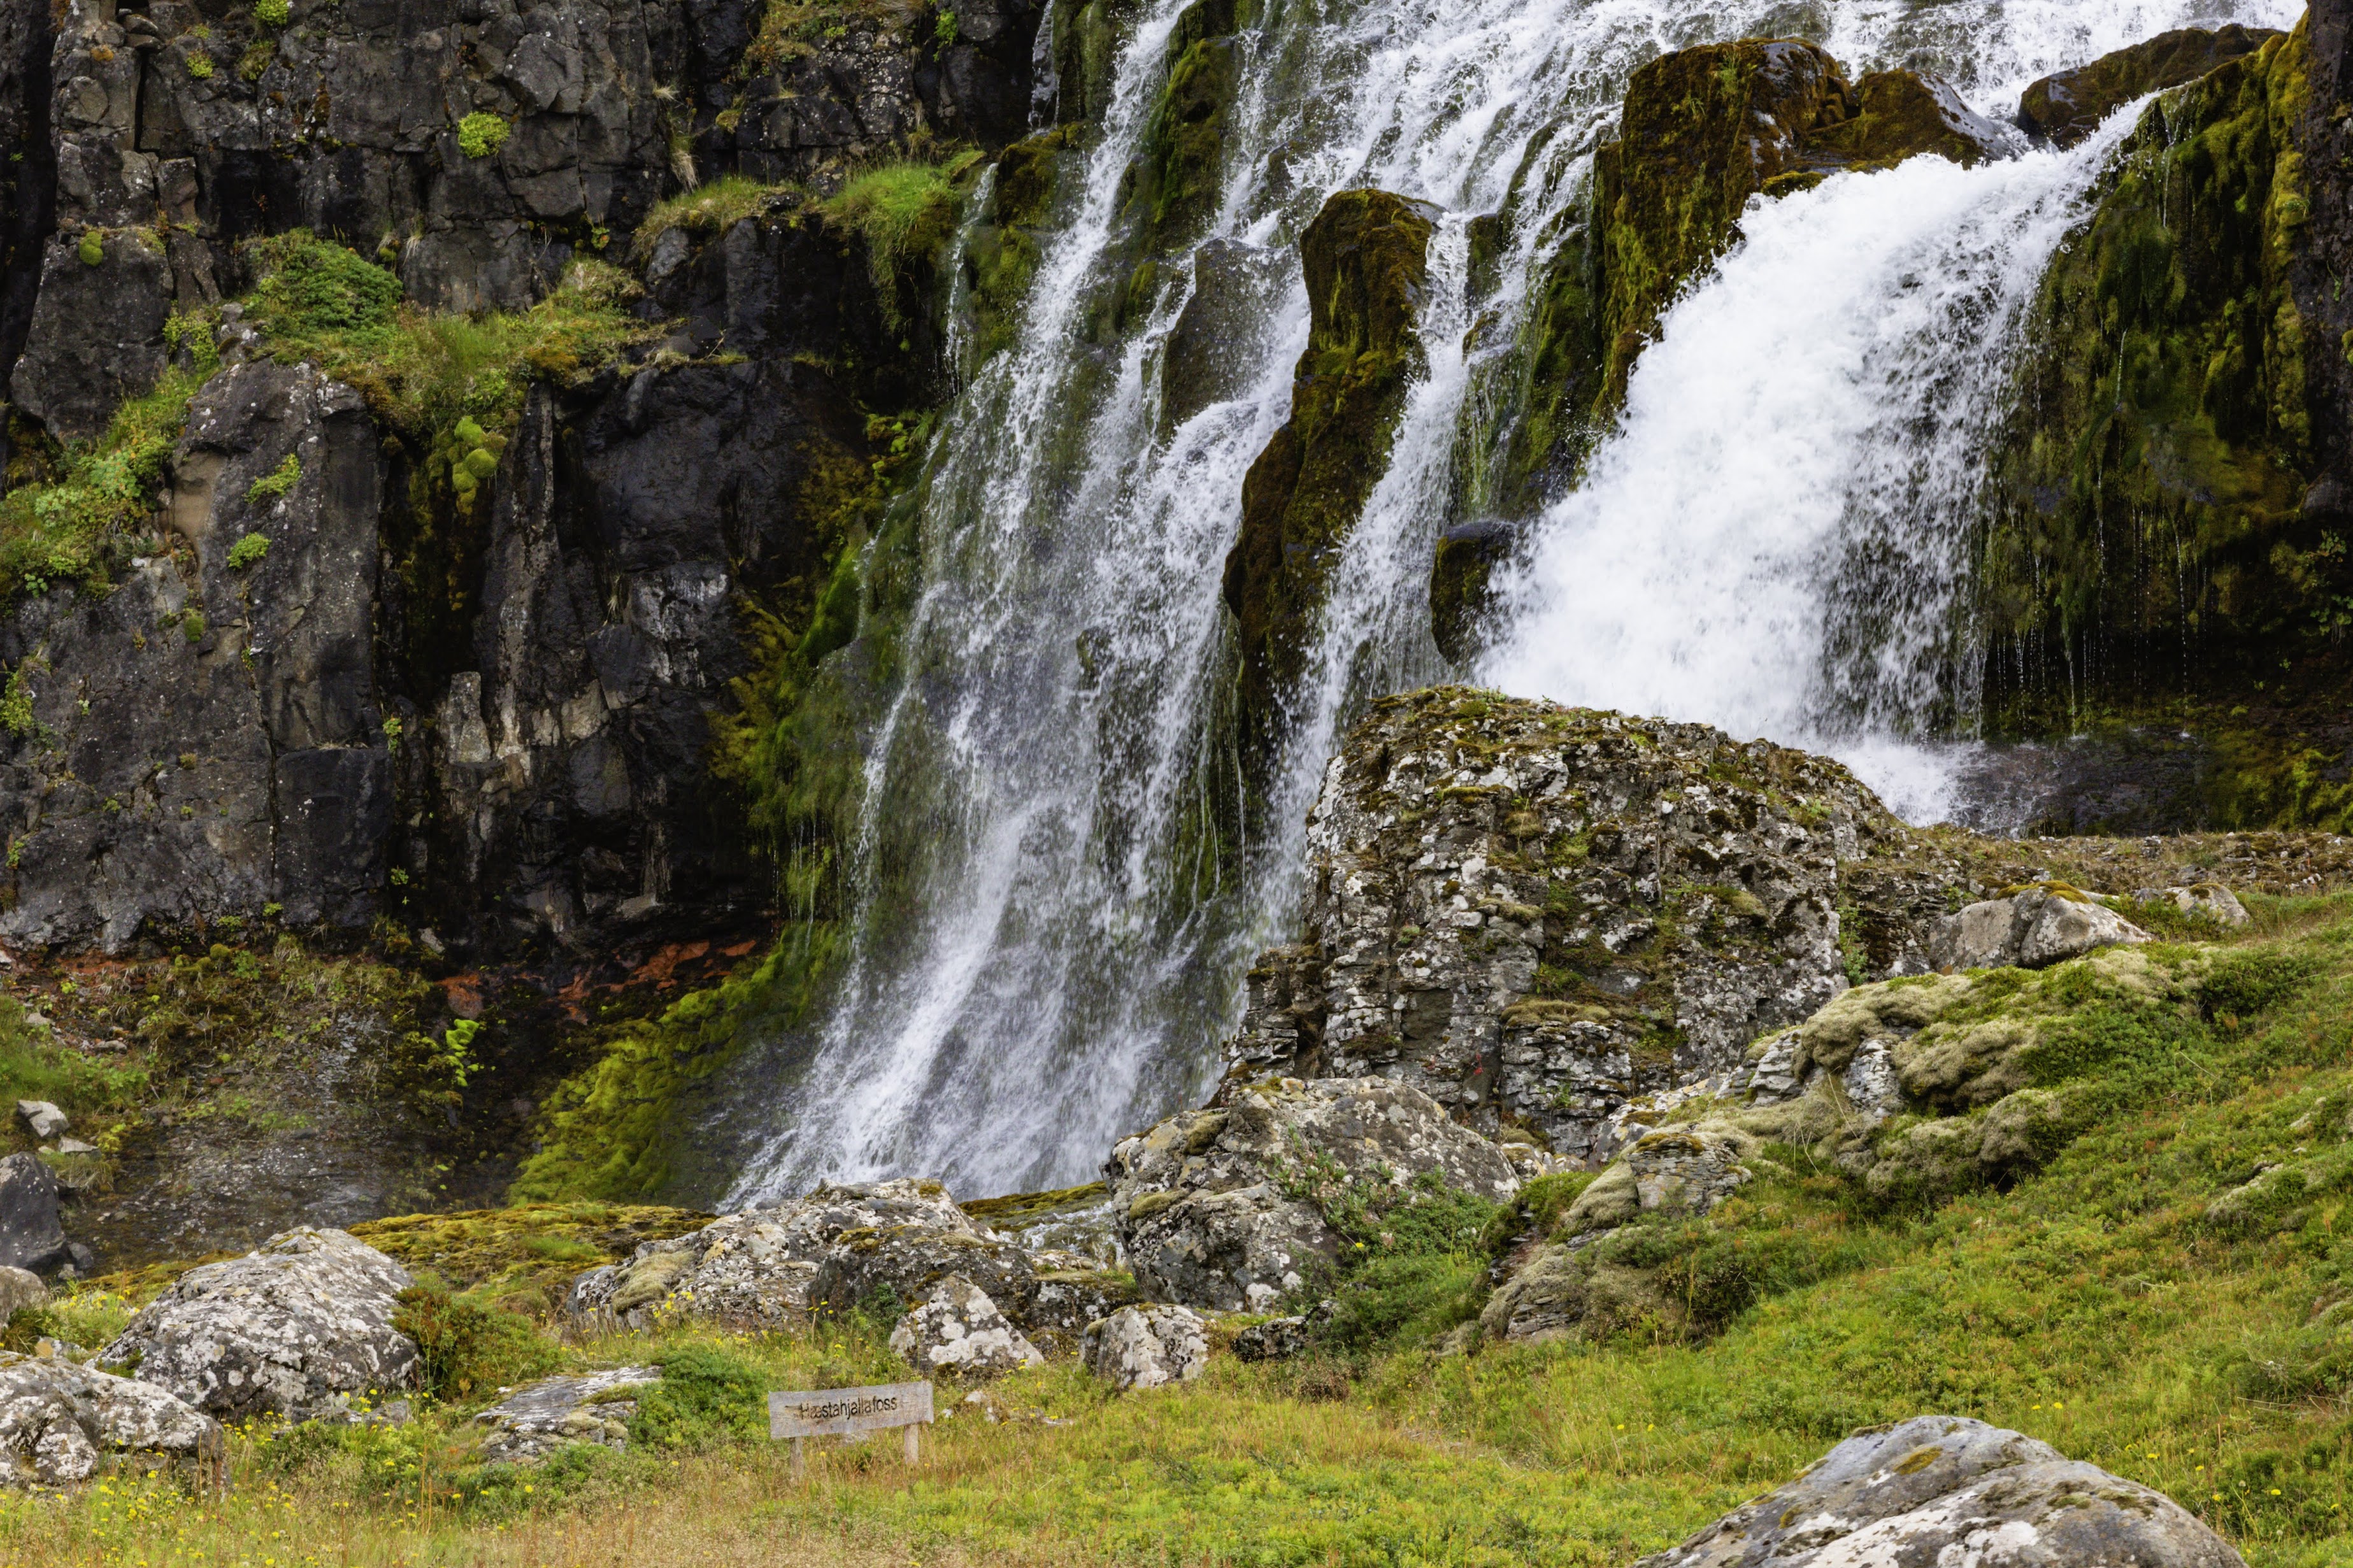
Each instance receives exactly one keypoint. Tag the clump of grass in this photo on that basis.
(248, 550)
(465, 1347)
(707, 1396)
(711, 208)
(421, 374)
(902, 211)
(480, 135)
(269, 487)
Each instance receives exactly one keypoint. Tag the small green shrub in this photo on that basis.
(310, 286)
(92, 249)
(464, 1347)
(2253, 980)
(269, 487)
(706, 1397)
(273, 12)
(479, 134)
(247, 550)
(200, 65)
(256, 59)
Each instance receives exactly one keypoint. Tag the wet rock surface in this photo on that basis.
(2067, 106)
(288, 1327)
(536, 1419)
(1533, 914)
(1940, 1489)
(1218, 1206)
(61, 1424)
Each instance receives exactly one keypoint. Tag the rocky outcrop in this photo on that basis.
(837, 1249)
(1533, 914)
(296, 1323)
(1943, 1489)
(959, 1332)
(1365, 258)
(2067, 106)
(536, 1419)
(61, 1424)
(2031, 928)
(1146, 1347)
(1219, 1208)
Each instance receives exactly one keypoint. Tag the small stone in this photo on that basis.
(65, 1423)
(74, 1146)
(535, 1420)
(2210, 900)
(20, 1287)
(45, 1119)
(2032, 929)
(30, 1234)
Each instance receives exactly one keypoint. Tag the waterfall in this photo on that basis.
(1050, 919)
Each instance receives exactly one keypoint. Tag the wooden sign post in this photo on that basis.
(841, 1411)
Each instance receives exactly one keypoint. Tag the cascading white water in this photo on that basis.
(1047, 944)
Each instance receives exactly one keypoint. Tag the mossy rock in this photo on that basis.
(1366, 257)
(2066, 107)
(527, 1256)
(1172, 187)
(2151, 516)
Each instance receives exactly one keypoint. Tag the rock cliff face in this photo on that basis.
(1533, 914)
(499, 714)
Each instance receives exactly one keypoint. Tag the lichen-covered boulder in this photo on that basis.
(303, 1318)
(834, 1249)
(1219, 1208)
(1937, 1492)
(2067, 106)
(1536, 914)
(2031, 928)
(61, 1424)
(536, 1419)
(1146, 1347)
(959, 1331)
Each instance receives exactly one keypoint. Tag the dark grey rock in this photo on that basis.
(31, 1236)
(97, 335)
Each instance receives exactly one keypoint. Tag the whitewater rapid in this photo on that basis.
(1050, 909)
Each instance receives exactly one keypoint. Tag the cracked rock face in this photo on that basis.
(1213, 1206)
(1146, 1347)
(1938, 1491)
(960, 1331)
(62, 1423)
(1535, 913)
(540, 1418)
(301, 1320)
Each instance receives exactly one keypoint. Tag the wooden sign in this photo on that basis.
(839, 1412)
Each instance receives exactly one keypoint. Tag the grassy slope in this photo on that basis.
(2096, 1305)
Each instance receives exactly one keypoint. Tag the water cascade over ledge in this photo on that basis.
(1051, 902)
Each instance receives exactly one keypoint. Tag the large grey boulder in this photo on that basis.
(960, 1331)
(1213, 1206)
(289, 1326)
(1535, 914)
(2031, 928)
(1940, 1491)
(836, 1247)
(61, 1424)
(31, 1235)
(536, 1419)
(1146, 1347)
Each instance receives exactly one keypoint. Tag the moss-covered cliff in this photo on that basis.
(2157, 528)
(1365, 258)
